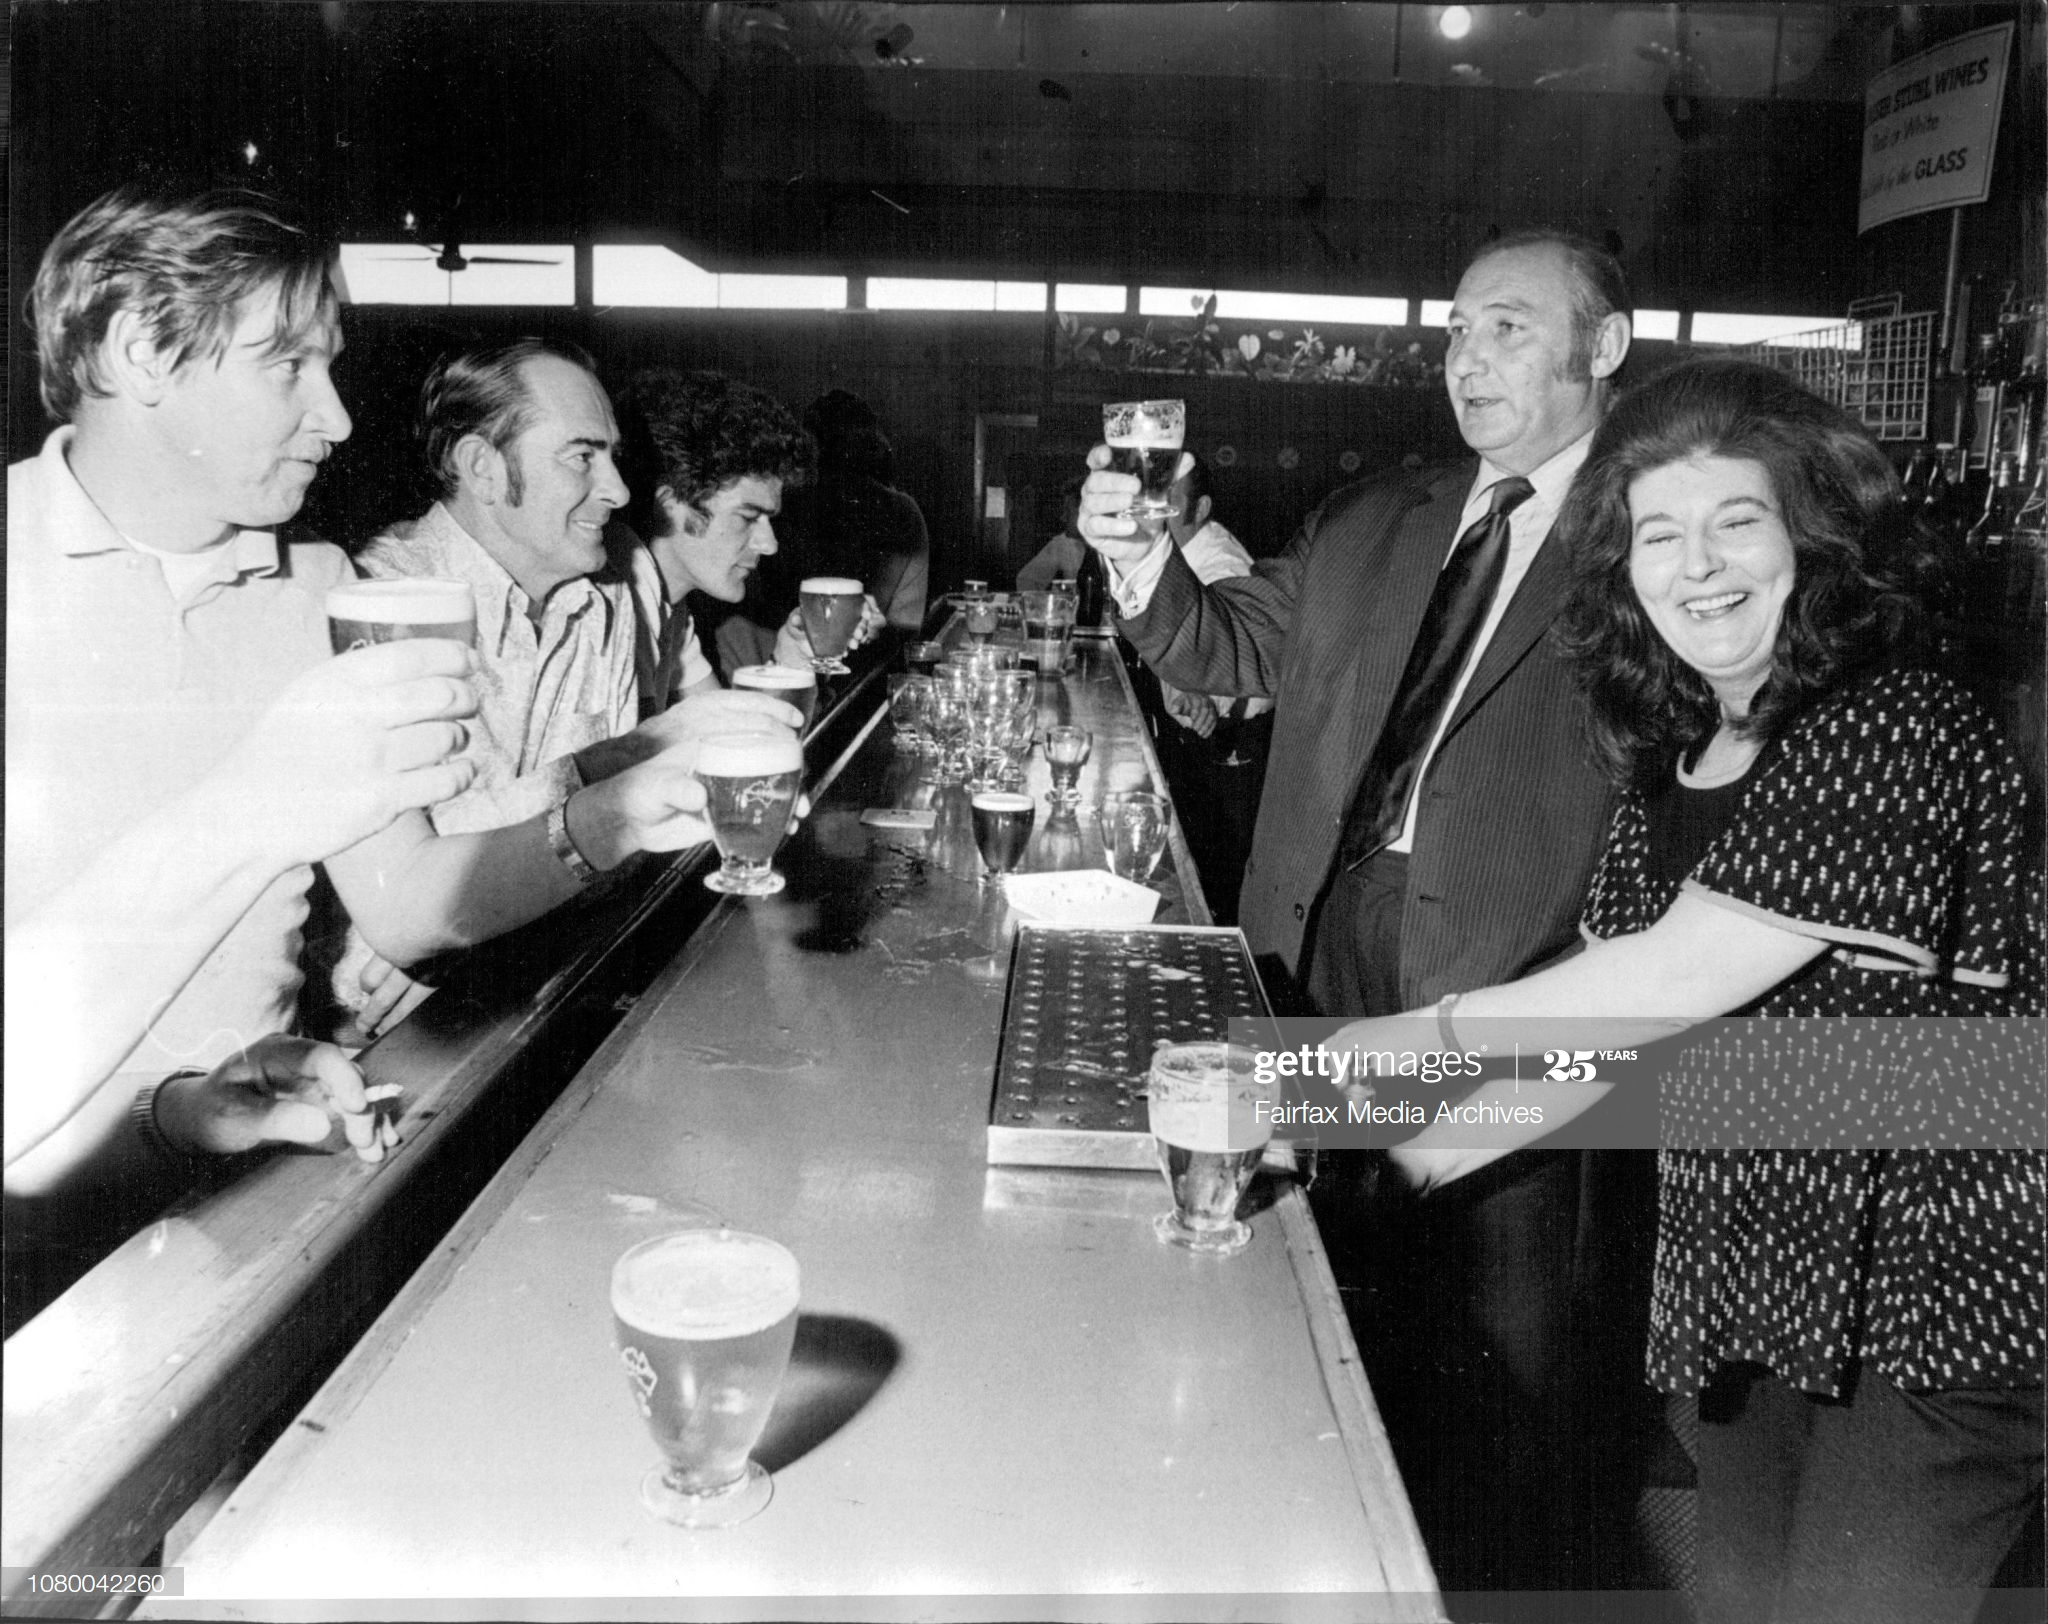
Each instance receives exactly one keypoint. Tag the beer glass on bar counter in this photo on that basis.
(1202, 1105)
(981, 615)
(784, 682)
(831, 606)
(1048, 626)
(360, 613)
(1002, 828)
(1144, 439)
(705, 1321)
(1134, 826)
(750, 787)
(1066, 752)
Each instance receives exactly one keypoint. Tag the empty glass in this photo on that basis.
(1066, 751)
(909, 712)
(1134, 826)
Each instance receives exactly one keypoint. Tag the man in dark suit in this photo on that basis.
(1430, 821)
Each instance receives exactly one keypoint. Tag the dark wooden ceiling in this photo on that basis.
(1300, 146)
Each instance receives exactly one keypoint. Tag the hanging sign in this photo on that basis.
(1930, 128)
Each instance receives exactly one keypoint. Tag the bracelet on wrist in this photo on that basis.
(564, 846)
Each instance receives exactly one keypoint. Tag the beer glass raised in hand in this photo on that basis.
(704, 1322)
(1144, 439)
(831, 606)
(1203, 1107)
(784, 682)
(750, 787)
(1002, 828)
(360, 613)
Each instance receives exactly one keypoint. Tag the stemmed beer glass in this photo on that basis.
(750, 787)
(831, 606)
(704, 1321)
(1202, 1101)
(1066, 752)
(1002, 828)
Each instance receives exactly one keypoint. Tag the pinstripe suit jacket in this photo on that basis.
(1513, 812)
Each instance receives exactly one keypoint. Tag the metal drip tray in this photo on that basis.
(1084, 1011)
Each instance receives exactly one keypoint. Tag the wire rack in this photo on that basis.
(1875, 369)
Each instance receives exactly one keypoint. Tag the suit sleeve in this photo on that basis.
(1225, 638)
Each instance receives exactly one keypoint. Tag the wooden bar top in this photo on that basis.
(1006, 1393)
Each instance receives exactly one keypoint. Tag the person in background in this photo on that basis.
(1430, 821)
(1065, 553)
(1212, 746)
(1813, 824)
(182, 746)
(853, 520)
(712, 460)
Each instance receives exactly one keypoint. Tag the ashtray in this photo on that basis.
(1084, 896)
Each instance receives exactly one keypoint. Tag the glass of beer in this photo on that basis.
(1002, 827)
(831, 607)
(784, 682)
(1066, 752)
(1048, 626)
(750, 786)
(704, 1322)
(360, 613)
(1144, 439)
(1202, 1102)
(1134, 826)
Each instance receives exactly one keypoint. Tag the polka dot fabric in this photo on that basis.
(1889, 821)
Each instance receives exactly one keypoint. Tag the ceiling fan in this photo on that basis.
(447, 255)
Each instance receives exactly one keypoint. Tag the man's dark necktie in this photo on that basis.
(1450, 627)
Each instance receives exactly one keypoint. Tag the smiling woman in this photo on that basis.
(1815, 826)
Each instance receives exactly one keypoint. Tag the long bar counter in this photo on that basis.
(1007, 1399)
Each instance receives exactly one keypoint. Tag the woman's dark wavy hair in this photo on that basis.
(1851, 543)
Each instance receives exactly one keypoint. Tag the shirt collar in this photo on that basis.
(1551, 480)
(82, 529)
(501, 600)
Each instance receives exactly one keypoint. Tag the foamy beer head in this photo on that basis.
(1145, 424)
(1203, 1096)
(758, 754)
(784, 682)
(360, 613)
(705, 1285)
(704, 1323)
(831, 586)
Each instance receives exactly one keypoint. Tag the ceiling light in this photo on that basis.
(1454, 22)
